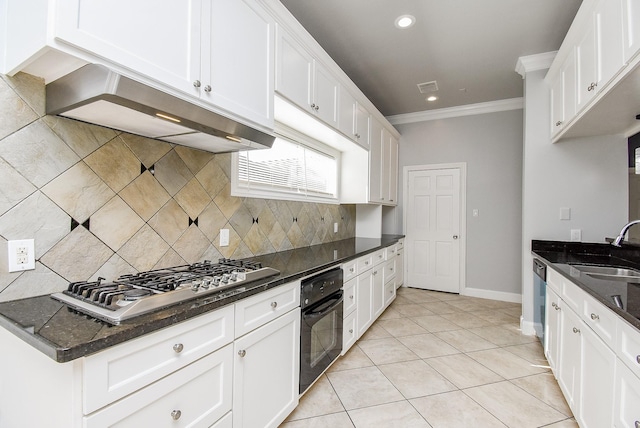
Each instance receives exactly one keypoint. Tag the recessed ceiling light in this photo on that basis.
(405, 21)
(432, 98)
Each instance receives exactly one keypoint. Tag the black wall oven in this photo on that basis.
(321, 327)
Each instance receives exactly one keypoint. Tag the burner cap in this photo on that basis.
(135, 294)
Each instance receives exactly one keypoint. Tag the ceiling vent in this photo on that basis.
(428, 87)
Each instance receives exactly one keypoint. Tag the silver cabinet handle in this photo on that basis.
(455, 236)
(274, 305)
(592, 86)
(351, 331)
(351, 270)
(316, 108)
(178, 347)
(375, 272)
(313, 106)
(357, 136)
(207, 88)
(576, 330)
(638, 359)
(367, 262)
(175, 415)
(242, 353)
(595, 317)
(637, 424)
(351, 297)
(558, 123)
(196, 84)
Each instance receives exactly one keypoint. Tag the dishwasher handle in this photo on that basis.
(540, 269)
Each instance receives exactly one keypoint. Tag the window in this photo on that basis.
(289, 170)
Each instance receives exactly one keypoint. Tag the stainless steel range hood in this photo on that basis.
(98, 95)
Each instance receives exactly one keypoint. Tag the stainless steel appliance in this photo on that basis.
(97, 94)
(321, 327)
(539, 296)
(136, 294)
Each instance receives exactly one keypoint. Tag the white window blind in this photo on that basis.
(288, 168)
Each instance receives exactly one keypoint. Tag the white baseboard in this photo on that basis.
(493, 295)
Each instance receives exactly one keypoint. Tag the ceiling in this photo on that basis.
(470, 47)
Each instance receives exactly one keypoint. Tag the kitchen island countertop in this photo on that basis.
(64, 334)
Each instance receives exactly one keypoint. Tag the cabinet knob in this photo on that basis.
(558, 123)
(316, 108)
(274, 305)
(637, 424)
(592, 86)
(175, 415)
(638, 359)
(196, 84)
(242, 353)
(351, 297)
(576, 330)
(178, 347)
(375, 272)
(207, 88)
(313, 106)
(351, 331)
(367, 262)
(595, 317)
(455, 236)
(351, 270)
(357, 136)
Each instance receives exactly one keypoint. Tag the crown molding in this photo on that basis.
(466, 110)
(526, 64)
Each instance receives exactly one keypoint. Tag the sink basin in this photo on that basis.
(609, 273)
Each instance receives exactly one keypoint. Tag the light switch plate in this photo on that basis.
(224, 237)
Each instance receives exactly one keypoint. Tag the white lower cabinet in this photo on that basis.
(194, 396)
(627, 398)
(580, 337)
(349, 332)
(266, 373)
(364, 297)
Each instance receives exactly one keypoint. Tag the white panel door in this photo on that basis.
(433, 228)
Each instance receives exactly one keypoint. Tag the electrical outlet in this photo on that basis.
(576, 235)
(224, 237)
(21, 255)
(335, 227)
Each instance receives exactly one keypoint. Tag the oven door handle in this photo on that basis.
(325, 307)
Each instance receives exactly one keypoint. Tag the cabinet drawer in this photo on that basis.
(573, 296)
(349, 270)
(365, 263)
(123, 369)
(389, 292)
(379, 256)
(601, 319)
(628, 346)
(258, 310)
(400, 244)
(197, 395)
(389, 270)
(349, 332)
(349, 296)
(391, 251)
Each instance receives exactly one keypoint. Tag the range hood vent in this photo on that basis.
(98, 95)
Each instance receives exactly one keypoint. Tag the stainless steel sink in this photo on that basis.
(609, 273)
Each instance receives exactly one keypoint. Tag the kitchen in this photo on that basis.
(55, 145)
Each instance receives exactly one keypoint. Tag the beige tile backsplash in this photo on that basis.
(103, 203)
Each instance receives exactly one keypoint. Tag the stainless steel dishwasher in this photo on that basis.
(539, 295)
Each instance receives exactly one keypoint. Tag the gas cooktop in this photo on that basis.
(136, 294)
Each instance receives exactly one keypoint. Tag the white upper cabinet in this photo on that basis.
(304, 81)
(563, 95)
(631, 28)
(587, 60)
(346, 113)
(375, 162)
(183, 47)
(361, 125)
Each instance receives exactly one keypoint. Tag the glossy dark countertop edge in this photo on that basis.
(65, 335)
(561, 256)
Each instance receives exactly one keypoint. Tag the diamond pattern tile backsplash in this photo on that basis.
(103, 203)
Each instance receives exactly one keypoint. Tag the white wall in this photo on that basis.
(491, 145)
(588, 175)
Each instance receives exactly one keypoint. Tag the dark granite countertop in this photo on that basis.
(65, 335)
(564, 256)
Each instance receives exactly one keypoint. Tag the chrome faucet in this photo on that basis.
(620, 238)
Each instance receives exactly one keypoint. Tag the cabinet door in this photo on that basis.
(349, 332)
(557, 104)
(627, 396)
(553, 306)
(375, 161)
(165, 48)
(294, 70)
(346, 113)
(393, 171)
(596, 382)
(610, 44)
(364, 295)
(570, 353)
(265, 383)
(587, 72)
(399, 267)
(350, 301)
(378, 291)
(362, 126)
(386, 166)
(325, 95)
(238, 61)
(631, 28)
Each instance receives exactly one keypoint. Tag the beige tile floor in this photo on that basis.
(438, 360)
